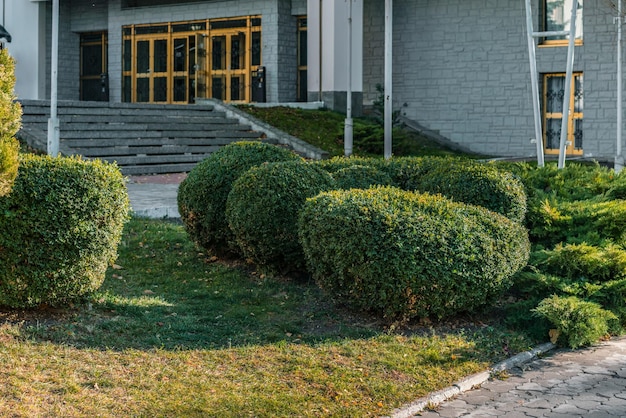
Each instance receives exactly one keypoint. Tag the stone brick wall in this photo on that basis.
(461, 67)
(278, 35)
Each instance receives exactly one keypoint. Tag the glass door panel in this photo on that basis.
(151, 65)
(201, 66)
(180, 69)
(229, 67)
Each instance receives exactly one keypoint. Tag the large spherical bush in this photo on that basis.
(469, 182)
(202, 195)
(405, 255)
(263, 208)
(59, 230)
(8, 163)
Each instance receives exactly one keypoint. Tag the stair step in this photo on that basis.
(140, 138)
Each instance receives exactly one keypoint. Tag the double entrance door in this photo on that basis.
(178, 67)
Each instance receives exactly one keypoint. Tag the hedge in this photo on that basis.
(59, 230)
(202, 195)
(456, 178)
(263, 208)
(407, 255)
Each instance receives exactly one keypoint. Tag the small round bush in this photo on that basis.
(361, 177)
(202, 195)
(59, 230)
(9, 162)
(263, 208)
(469, 182)
(406, 255)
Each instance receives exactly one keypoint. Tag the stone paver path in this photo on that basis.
(589, 383)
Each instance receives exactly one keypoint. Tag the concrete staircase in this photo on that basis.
(141, 138)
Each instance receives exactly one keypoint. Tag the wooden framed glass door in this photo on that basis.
(151, 66)
(230, 67)
(179, 62)
(93, 66)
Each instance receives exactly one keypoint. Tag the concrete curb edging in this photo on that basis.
(469, 382)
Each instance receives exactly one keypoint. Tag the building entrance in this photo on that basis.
(177, 62)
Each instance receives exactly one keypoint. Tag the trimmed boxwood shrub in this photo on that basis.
(468, 182)
(361, 177)
(405, 255)
(202, 195)
(456, 178)
(59, 230)
(263, 208)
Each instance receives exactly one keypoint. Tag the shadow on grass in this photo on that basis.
(165, 294)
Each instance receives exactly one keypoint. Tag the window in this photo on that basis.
(554, 92)
(556, 17)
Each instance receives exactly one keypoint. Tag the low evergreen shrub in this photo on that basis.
(577, 322)
(263, 208)
(407, 255)
(202, 195)
(59, 230)
(593, 221)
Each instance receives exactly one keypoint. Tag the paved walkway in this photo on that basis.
(589, 383)
(154, 196)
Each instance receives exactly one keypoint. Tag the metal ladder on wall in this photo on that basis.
(534, 78)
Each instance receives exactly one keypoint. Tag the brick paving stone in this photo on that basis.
(588, 383)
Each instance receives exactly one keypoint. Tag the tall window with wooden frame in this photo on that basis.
(556, 16)
(93, 67)
(177, 62)
(554, 92)
(302, 59)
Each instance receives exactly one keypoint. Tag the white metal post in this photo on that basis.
(388, 77)
(534, 81)
(53, 122)
(348, 130)
(619, 158)
(568, 85)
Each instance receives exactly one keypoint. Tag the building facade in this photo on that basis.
(460, 67)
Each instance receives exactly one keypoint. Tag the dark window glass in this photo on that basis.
(160, 56)
(180, 54)
(160, 89)
(229, 24)
(143, 90)
(256, 48)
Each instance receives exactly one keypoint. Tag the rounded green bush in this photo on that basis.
(361, 177)
(202, 195)
(469, 182)
(407, 255)
(59, 230)
(263, 208)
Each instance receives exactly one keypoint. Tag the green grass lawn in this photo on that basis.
(174, 332)
(324, 129)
